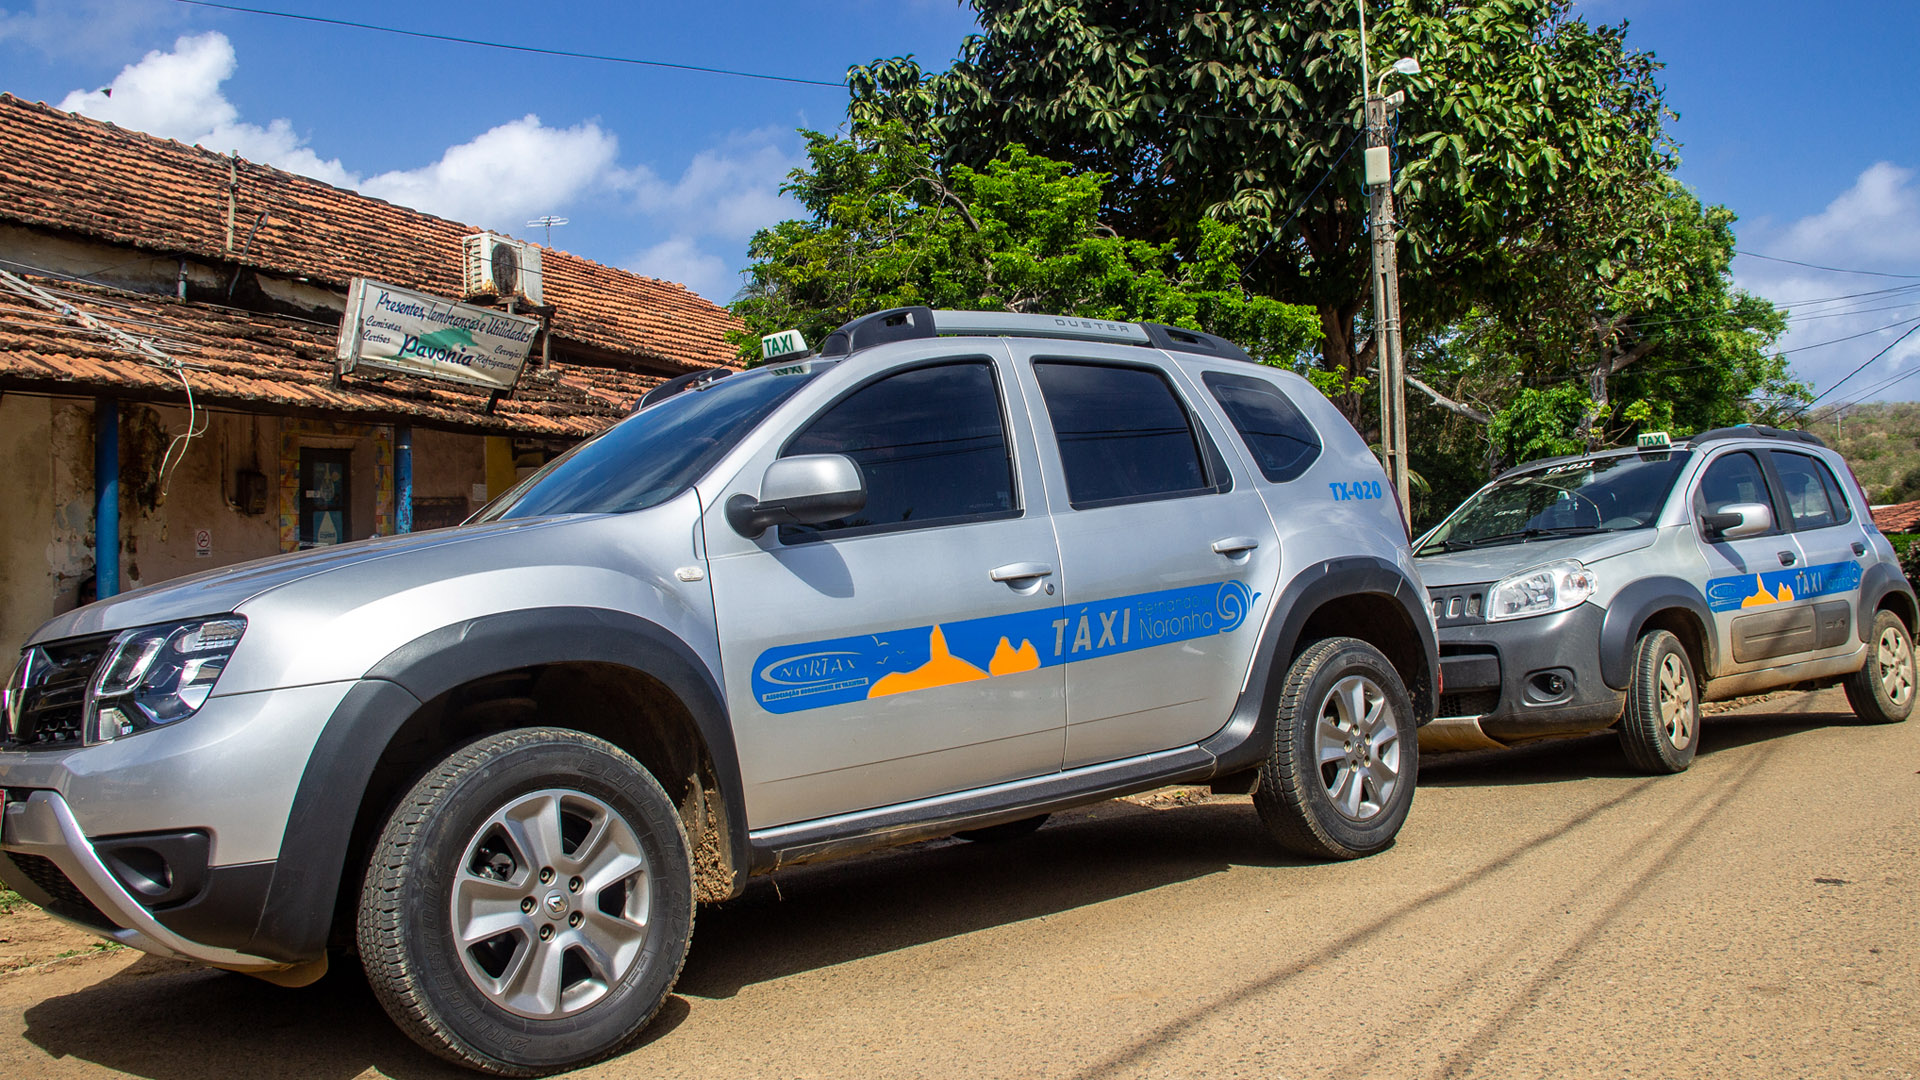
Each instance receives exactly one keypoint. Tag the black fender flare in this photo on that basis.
(1244, 742)
(1880, 580)
(1630, 609)
(299, 909)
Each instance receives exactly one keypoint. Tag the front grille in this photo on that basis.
(1476, 703)
(52, 715)
(66, 900)
(1458, 605)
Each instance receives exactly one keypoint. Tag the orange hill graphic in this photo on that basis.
(945, 669)
(1761, 597)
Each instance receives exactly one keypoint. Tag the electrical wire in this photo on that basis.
(1816, 400)
(1829, 269)
(1849, 337)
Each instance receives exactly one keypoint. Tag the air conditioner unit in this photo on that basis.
(497, 265)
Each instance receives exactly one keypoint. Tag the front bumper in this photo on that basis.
(166, 840)
(1523, 679)
(42, 826)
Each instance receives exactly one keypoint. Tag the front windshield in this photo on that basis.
(1571, 498)
(657, 453)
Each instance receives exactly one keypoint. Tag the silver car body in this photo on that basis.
(1071, 655)
(1790, 604)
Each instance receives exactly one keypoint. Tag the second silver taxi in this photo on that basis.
(1621, 589)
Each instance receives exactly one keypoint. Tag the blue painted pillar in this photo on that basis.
(403, 478)
(106, 497)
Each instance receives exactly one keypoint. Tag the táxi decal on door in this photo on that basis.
(816, 674)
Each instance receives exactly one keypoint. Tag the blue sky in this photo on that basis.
(1801, 118)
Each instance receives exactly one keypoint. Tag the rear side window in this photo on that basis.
(1123, 434)
(1283, 444)
(1813, 496)
(930, 442)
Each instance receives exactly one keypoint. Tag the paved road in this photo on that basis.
(1545, 913)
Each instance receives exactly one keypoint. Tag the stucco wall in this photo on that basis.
(26, 481)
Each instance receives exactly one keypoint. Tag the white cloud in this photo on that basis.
(177, 95)
(682, 260)
(514, 170)
(730, 191)
(85, 30)
(1841, 319)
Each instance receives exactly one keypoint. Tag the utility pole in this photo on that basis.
(1389, 361)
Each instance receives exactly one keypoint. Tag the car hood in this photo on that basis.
(1474, 566)
(216, 592)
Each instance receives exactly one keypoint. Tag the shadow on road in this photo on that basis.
(1599, 755)
(165, 1021)
(814, 917)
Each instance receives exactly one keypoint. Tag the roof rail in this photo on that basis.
(1756, 431)
(908, 323)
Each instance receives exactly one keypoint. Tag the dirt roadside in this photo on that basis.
(1547, 913)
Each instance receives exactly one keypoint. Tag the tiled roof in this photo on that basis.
(236, 357)
(69, 172)
(1897, 518)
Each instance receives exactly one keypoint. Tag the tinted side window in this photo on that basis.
(1123, 434)
(1810, 490)
(930, 442)
(1283, 444)
(1732, 478)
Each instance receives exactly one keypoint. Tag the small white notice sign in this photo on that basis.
(203, 543)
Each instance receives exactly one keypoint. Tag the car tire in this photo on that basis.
(1339, 780)
(528, 905)
(1882, 691)
(1009, 830)
(1660, 730)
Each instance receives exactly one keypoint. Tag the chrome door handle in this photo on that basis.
(1234, 545)
(1787, 558)
(1020, 571)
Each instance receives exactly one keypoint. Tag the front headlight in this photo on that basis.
(158, 674)
(1540, 590)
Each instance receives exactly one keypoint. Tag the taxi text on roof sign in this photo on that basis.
(1654, 438)
(782, 344)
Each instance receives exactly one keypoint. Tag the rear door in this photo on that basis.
(1168, 553)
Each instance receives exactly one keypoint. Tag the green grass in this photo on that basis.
(10, 900)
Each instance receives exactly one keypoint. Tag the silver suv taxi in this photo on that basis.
(1626, 587)
(952, 573)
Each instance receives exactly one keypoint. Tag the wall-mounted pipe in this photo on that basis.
(106, 498)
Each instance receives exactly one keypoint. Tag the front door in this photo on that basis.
(1168, 560)
(893, 655)
(1754, 584)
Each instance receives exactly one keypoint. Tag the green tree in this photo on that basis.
(886, 228)
(1236, 113)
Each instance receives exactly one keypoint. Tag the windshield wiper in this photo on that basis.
(1531, 534)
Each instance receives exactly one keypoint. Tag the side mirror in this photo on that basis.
(803, 490)
(1736, 521)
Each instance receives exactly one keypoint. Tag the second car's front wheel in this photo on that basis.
(1339, 779)
(1660, 731)
(529, 903)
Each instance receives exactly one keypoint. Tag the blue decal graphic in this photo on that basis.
(816, 674)
(1780, 586)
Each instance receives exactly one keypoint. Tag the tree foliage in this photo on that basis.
(1238, 112)
(887, 228)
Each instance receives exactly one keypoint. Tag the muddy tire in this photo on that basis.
(1340, 777)
(1881, 692)
(1660, 730)
(529, 903)
(1009, 830)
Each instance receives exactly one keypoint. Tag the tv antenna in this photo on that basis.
(547, 222)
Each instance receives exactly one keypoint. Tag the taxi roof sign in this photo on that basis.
(1655, 439)
(784, 343)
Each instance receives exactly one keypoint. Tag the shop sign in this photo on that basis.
(389, 328)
